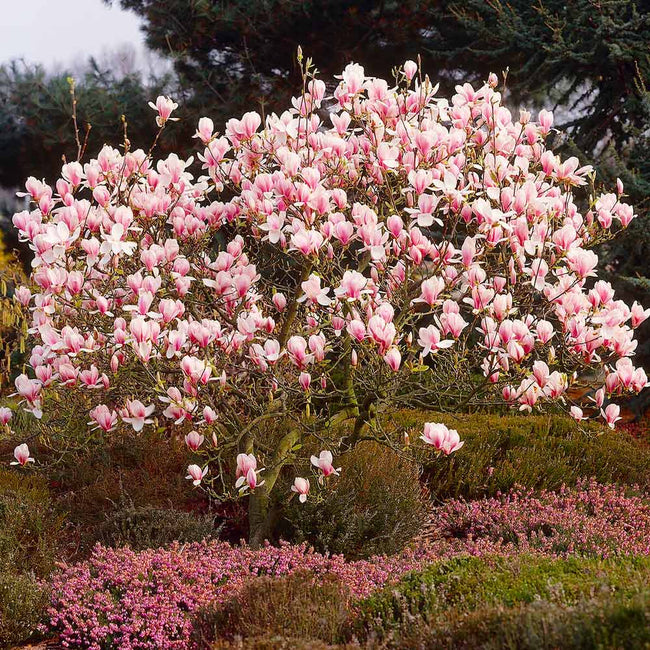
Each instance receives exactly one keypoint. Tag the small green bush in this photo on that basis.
(538, 452)
(296, 606)
(30, 531)
(464, 601)
(145, 471)
(23, 600)
(147, 527)
(376, 506)
(600, 623)
(31, 540)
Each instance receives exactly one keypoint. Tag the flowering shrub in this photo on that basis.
(123, 599)
(316, 269)
(591, 519)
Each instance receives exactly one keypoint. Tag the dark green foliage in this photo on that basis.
(23, 600)
(376, 506)
(514, 602)
(30, 531)
(590, 57)
(602, 623)
(31, 540)
(148, 527)
(538, 452)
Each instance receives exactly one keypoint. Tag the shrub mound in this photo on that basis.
(376, 506)
(23, 603)
(296, 606)
(543, 452)
(525, 601)
(148, 527)
(30, 541)
(124, 599)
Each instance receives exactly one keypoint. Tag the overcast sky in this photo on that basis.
(61, 32)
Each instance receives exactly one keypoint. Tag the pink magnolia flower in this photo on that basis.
(209, 415)
(21, 454)
(297, 349)
(431, 289)
(194, 440)
(441, 438)
(164, 106)
(137, 414)
(611, 414)
(115, 243)
(545, 120)
(577, 414)
(247, 472)
(305, 380)
(353, 78)
(5, 414)
(541, 373)
(324, 463)
(204, 130)
(280, 301)
(196, 474)
(313, 291)
(352, 285)
(301, 487)
(30, 391)
(245, 462)
(429, 339)
(410, 68)
(638, 314)
(103, 417)
(393, 358)
(197, 370)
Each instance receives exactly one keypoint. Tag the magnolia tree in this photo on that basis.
(384, 246)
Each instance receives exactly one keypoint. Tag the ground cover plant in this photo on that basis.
(511, 602)
(159, 598)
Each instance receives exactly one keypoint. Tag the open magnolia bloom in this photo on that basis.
(313, 269)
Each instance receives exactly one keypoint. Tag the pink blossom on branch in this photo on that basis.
(303, 272)
(21, 454)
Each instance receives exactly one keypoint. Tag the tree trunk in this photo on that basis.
(260, 515)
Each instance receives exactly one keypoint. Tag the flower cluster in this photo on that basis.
(315, 264)
(120, 598)
(123, 599)
(590, 519)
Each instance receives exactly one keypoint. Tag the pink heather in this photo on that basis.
(128, 600)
